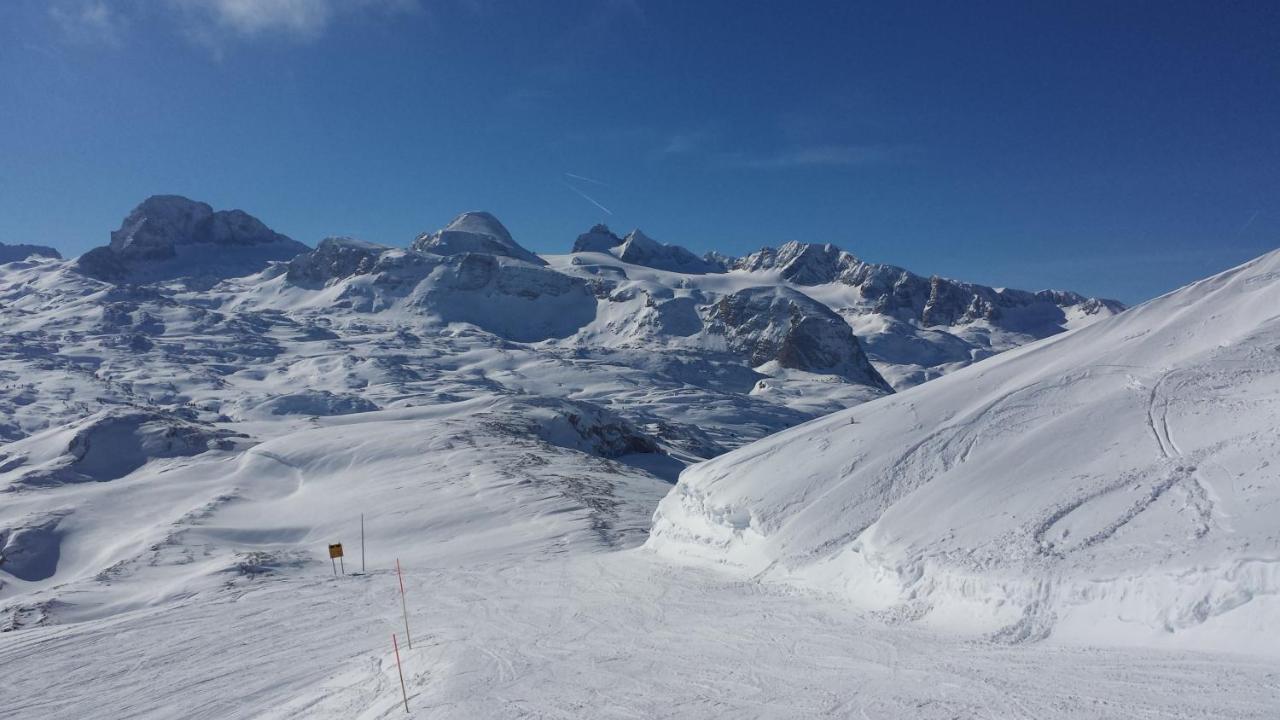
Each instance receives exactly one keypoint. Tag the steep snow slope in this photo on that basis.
(1115, 485)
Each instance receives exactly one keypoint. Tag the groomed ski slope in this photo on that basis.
(616, 635)
(1116, 485)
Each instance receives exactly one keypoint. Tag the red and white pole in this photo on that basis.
(403, 693)
(404, 608)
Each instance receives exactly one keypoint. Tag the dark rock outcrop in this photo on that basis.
(333, 259)
(931, 301)
(169, 236)
(15, 253)
(598, 239)
(640, 249)
(779, 324)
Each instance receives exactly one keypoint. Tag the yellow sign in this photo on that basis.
(335, 551)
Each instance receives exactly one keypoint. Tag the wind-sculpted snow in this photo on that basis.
(1113, 485)
(307, 402)
(105, 446)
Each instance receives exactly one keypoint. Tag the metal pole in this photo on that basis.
(403, 693)
(361, 543)
(407, 637)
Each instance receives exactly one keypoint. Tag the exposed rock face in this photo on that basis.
(163, 223)
(474, 232)
(779, 324)
(15, 253)
(639, 249)
(169, 236)
(598, 239)
(801, 263)
(904, 295)
(577, 425)
(333, 259)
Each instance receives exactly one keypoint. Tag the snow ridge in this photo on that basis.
(1109, 485)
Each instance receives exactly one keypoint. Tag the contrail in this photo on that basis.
(587, 179)
(1248, 222)
(588, 198)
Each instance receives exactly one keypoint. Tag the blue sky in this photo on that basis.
(1119, 149)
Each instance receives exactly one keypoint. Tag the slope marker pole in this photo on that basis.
(361, 543)
(404, 608)
(403, 693)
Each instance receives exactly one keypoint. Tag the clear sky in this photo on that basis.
(1115, 148)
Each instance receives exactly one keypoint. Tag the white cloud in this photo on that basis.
(302, 18)
(830, 156)
(89, 21)
(214, 22)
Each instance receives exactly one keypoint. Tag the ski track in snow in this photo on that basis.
(1024, 497)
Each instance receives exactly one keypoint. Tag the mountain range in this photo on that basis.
(742, 480)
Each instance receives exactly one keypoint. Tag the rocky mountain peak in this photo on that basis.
(15, 253)
(778, 324)
(474, 232)
(163, 222)
(801, 263)
(334, 258)
(170, 236)
(598, 239)
(640, 249)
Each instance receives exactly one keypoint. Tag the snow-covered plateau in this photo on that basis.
(898, 496)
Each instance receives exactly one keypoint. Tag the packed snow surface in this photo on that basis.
(1112, 485)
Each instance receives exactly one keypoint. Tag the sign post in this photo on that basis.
(335, 552)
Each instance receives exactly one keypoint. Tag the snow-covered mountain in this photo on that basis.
(474, 232)
(169, 237)
(180, 443)
(640, 249)
(1113, 485)
(759, 347)
(197, 333)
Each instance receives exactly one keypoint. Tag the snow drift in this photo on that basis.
(1116, 484)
